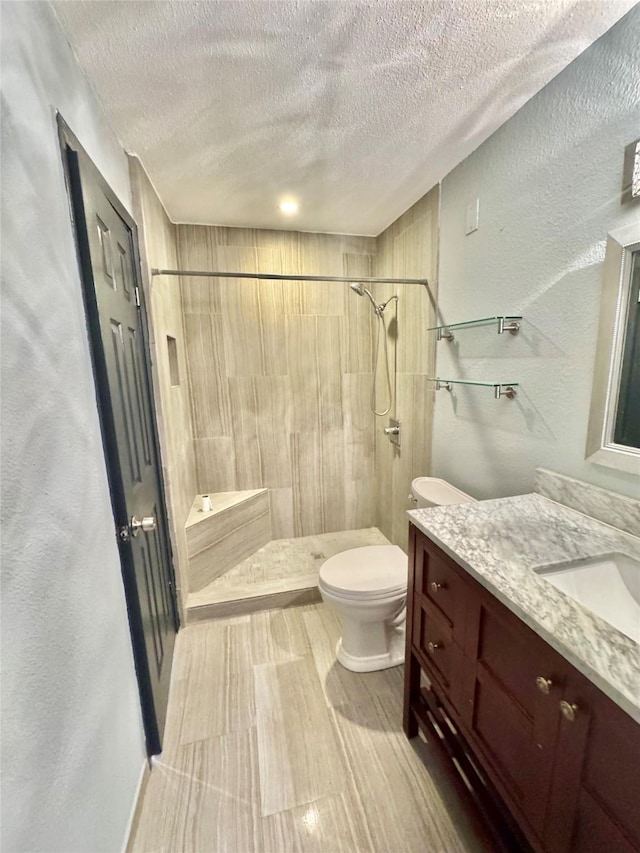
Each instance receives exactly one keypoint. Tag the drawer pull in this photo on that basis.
(569, 711)
(435, 586)
(431, 647)
(543, 684)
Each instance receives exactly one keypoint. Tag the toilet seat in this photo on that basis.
(366, 574)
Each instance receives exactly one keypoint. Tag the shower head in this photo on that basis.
(361, 290)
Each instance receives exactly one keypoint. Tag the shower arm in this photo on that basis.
(383, 305)
(378, 307)
(281, 277)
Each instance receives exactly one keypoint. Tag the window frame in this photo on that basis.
(601, 448)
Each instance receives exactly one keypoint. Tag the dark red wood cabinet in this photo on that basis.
(562, 757)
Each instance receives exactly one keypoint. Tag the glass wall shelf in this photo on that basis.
(500, 389)
(506, 323)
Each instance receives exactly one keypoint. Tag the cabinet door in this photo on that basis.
(509, 719)
(595, 796)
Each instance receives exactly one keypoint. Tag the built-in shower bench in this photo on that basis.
(235, 568)
(238, 524)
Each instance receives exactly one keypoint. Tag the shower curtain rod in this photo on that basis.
(278, 276)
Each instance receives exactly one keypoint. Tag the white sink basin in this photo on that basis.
(608, 585)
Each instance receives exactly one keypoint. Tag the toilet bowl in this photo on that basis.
(367, 588)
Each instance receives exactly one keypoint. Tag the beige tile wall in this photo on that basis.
(280, 374)
(275, 376)
(407, 248)
(157, 238)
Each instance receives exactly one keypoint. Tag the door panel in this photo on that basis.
(512, 723)
(595, 790)
(595, 831)
(115, 313)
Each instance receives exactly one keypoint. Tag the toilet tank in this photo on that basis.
(431, 491)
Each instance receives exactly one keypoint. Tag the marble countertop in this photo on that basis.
(500, 541)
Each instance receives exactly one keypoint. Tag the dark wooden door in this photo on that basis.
(115, 311)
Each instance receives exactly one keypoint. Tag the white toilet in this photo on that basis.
(430, 491)
(367, 588)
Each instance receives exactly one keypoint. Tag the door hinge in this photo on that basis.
(137, 291)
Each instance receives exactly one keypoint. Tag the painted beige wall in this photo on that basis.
(280, 374)
(157, 237)
(407, 249)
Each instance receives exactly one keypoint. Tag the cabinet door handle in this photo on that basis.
(568, 710)
(435, 586)
(431, 647)
(543, 684)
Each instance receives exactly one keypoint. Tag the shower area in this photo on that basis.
(265, 394)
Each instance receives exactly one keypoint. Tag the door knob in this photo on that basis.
(435, 586)
(431, 647)
(568, 710)
(146, 524)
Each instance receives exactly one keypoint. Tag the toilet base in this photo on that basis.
(394, 657)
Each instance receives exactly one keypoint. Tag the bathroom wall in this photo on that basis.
(280, 374)
(72, 737)
(158, 248)
(406, 249)
(549, 187)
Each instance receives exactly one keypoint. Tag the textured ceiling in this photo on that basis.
(355, 109)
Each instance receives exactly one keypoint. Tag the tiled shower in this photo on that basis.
(280, 374)
(274, 377)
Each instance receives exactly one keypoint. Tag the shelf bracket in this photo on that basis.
(505, 325)
(504, 391)
(446, 386)
(445, 335)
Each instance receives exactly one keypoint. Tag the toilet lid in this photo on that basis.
(371, 571)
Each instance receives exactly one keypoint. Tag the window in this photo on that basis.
(614, 423)
(627, 422)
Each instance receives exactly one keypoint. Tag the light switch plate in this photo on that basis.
(472, 218)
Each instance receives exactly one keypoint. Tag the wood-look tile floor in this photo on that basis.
(272, 746)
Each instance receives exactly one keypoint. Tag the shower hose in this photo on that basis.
(381, 330)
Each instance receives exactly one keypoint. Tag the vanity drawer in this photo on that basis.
(433, 638)
(439, 580)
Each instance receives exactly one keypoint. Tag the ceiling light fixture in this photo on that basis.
(289, 207)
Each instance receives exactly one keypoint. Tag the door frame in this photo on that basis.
(74, 160)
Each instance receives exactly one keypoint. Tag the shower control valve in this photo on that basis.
(393, 431)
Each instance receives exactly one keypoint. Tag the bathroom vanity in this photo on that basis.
(524, 683)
